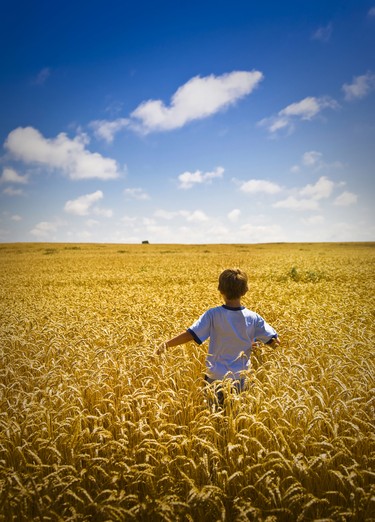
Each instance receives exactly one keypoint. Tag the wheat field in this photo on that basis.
(95, 426)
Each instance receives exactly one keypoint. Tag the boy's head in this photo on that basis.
(233, 283)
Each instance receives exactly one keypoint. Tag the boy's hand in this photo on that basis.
(274, 343)
(161, 348)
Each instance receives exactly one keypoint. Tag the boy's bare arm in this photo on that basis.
(182, 338)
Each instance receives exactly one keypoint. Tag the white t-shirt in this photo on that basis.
(231, 332)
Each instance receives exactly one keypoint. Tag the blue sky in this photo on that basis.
(187, 122)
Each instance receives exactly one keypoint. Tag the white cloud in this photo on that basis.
(322, 189)
(234, 215)
(308, 107)
(311, 158)
(255, 186)
(196, 216)
(323, 33)
(129, 220)
(91, 222)
(148, 221)
(261, 233)
(345, 199)
(189, 179)
(218, 231)
(344, 231)
(293, 203)
(314, 220)
(305, 109)
(44, 229)
(189, 215)
(10, 191)
(275, 124)
(16, 217)
(84, 235)
(371, 12)
(68, 155)
(136, 193)
(360, 87)
(311, 194)
(114, 107)
(165, 214)
(42, 76)
(103, 212)
(106, 130)
(81, 206)
(198, 98)
(314, 159)
(163, 231)
(11, 176)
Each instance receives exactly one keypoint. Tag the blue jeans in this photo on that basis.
(236, 385)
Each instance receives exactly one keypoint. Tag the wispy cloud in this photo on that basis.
(323, 33)
(106, 130)
(165, 214)
(68, 155)
(136, 193)
(199, 98)
(197, 216)
(91, 222)
(293, 203)
(114, 107)
(360, 87)
(44, 229)
(82, 205)
(371, 12)
(305, 109)
(10, 191)
(318, 219)
(261, 233)
(42, 76)
(311, 158)
(188, 179)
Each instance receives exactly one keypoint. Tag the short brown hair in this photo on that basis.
(233, 283)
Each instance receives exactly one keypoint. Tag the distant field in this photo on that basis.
(95, 427)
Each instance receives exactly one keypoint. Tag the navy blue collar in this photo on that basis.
(233, 308)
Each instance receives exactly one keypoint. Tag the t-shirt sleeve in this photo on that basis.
(263, 331)
(201, 329)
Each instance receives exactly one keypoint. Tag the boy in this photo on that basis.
(232, 329)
